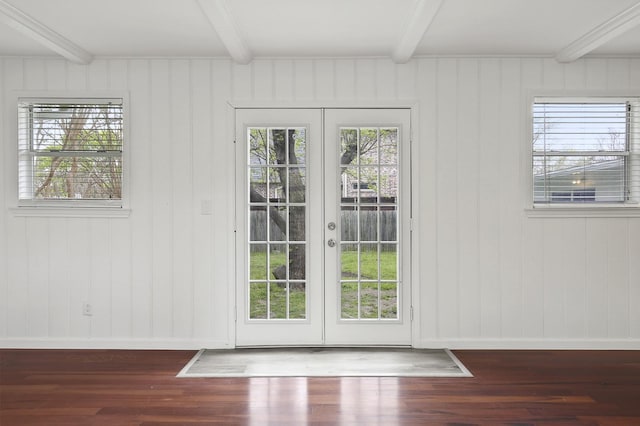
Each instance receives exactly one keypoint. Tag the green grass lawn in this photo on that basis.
(349, 292)
(369, 264)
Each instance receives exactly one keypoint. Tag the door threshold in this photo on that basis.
(319, 346)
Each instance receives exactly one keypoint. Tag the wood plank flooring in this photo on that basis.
(111, 387)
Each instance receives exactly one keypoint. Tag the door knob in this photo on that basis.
(331, 242)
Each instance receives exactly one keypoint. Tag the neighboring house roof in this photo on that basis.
(595, 167)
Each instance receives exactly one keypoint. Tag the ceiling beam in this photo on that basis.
(603, 33)
(419, 19)
(20, 21)
(221, 18)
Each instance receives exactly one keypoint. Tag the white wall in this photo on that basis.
(489, 276)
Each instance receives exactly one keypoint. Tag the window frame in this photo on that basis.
(65, 207)
(627, 208)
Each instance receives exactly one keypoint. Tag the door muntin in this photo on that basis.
(277, 247)
(368, 255)
(322, 199)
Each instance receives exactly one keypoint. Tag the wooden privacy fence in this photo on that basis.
(371, 223)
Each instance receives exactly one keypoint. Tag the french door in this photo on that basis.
(322, 227)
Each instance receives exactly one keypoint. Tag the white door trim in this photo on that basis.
(414, 190)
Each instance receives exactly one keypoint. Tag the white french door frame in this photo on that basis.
(270, 332)
(342, 331)
(410, 250)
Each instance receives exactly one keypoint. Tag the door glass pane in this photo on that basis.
(389, 300)
(369, 297)
(300, 145)
(277, 223)
(258, 223)
(277, 146)
(258, 146)
(277, 184)
(368, 146)
(296, 223)
(369, 261)
(349, 297)
(348, 223)
(349, 262)
(277, 220)
(349, 185)
(297, 300)
(258, 300)
(388, 217)
(367, 184)
(258, 262)
(388, 262)
(258, 184)
(277, 261)
(348, 146)
(388, 184)
(278, 300)
(369, 223)
(297, 261)
(388, 146)
(297, 184)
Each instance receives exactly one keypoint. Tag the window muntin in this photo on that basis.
(70, 151)
(585, 151)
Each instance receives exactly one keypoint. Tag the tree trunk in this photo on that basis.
(294, 187)
(71, 141)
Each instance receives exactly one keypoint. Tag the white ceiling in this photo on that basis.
(245, 29)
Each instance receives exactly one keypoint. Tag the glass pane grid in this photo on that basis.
(369, 222)
(277, 224)
(583, 151)
(566, 178)
(70, 149)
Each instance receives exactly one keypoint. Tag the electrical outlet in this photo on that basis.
(87, 309)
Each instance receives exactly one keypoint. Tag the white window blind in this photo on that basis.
(586, 151)
(70, 151)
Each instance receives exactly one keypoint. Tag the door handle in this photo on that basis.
(331, 242)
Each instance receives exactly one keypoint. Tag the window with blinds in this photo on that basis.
(586, 151)
(70, 151)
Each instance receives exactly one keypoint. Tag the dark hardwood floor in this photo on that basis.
(111, 387)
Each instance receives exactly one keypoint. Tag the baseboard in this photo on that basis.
(535, 344)
(195, 344)
(52, 343)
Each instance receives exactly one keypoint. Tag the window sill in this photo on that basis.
(564, 211)
(99, 212)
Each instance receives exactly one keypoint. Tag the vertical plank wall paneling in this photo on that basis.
(511, 180)
(489, 229)
(467, 173)
(140, 183)
(425, 267)
(345, 79)
(304, 76)
(162, 169)
(447, 208)
(486, 274)
(15, 242)
(201, 93)
(181, 153)
(4, 253)
(222, 193)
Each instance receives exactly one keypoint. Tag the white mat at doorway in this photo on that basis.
(331, 362)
